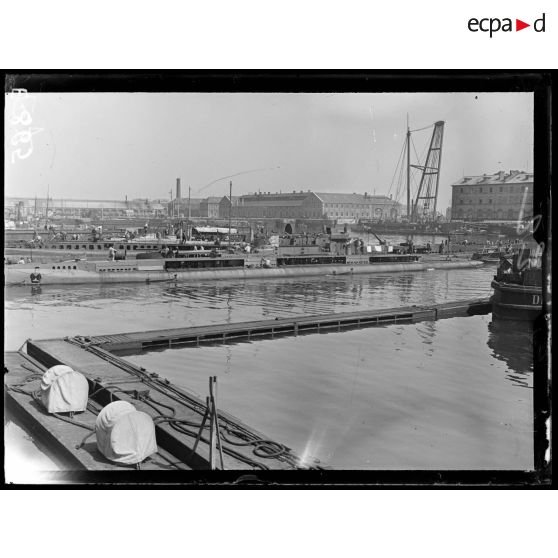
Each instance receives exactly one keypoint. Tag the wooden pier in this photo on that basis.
(129, 343)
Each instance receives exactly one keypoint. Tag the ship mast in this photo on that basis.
(189, 215)
(408, 171)
(46, 213)
(230, 212)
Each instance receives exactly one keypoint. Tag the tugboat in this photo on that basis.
(518, 292)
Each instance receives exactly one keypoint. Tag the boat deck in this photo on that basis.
(112, 378)
(60, 436)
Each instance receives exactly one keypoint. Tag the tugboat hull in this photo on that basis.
(516, 302)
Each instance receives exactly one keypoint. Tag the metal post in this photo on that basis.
(202, 425)
(230, 212)
(212, 432)
(48, 189)
(189, 214)
(215, 417)
(408, 171)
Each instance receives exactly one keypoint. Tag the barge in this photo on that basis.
(185, 440)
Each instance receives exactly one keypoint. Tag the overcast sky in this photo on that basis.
(108, 145)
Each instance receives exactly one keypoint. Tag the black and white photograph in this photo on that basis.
(295, 279)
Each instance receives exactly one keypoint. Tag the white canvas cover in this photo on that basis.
(125, 435)
(64, 390)
(214, 230)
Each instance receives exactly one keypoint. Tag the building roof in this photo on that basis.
(328, 197)
(235, 199)
(500, 178)
(267, 196)
(212, 199)
(281, 202)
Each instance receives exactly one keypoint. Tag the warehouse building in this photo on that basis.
(311, 205)
(493, 197)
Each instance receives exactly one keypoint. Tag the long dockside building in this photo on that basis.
(341, 207)
(312, 205)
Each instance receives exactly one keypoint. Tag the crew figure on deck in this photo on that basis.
(35, 277)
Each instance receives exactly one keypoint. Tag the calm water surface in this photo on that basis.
(450, 394)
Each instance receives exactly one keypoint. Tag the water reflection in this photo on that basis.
(512, 342)
(319, 292)
(411, 396)
(83, 308)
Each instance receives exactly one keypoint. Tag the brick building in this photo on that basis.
(356, 207)
(268, 205)
(225, 206)
(493, 197)
(179, 207)
(312, 205)
(209, 207)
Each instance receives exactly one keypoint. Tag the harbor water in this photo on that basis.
(450, 394)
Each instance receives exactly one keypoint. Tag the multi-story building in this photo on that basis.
(182, 207)
(294, 205)
(311, 205)
(225, 207)
(209, 207)
(356, 207)
(267, 205)
(493, 197)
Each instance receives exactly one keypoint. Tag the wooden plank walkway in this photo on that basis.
(133, 342)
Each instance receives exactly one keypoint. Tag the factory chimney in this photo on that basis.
(178, 193)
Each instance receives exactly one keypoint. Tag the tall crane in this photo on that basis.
(424, 206)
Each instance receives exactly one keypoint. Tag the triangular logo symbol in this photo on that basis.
(519, 25)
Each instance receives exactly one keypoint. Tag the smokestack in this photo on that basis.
(178, 193)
